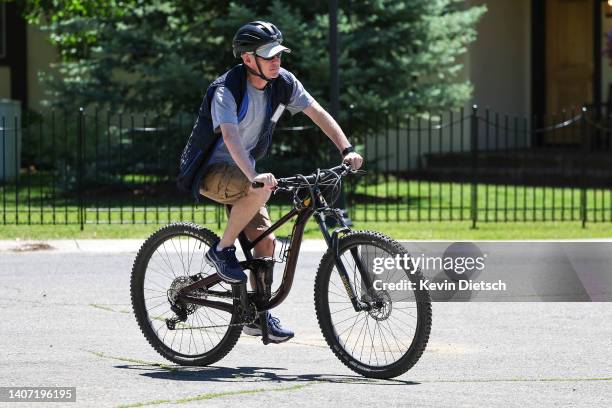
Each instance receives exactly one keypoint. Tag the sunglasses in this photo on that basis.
(279, 55)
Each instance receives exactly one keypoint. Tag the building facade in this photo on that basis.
(25, 51)
(540, 57)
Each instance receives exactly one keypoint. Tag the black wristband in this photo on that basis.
(348, 150)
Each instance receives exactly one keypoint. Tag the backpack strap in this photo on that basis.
(278, 91)
(235, 81)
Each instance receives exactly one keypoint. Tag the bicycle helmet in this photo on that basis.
(258, 37)
(253, 35)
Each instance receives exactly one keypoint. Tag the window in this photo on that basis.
(2, 30)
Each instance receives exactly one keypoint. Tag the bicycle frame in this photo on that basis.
(303, 215)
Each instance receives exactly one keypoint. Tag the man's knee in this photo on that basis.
(262, 195)
(265, 247)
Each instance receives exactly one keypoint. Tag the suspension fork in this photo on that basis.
(332, 243)
(363, 271)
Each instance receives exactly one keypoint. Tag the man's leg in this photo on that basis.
(226, 184)
(265, 247)
(243, 211)
(276, 332)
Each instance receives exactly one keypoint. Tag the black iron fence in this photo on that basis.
(479, 165)
(100, 167)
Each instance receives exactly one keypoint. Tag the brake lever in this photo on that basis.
(278, 188)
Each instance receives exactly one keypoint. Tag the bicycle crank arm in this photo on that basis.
(265, 333)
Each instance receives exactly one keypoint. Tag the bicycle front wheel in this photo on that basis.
(171, 259)
(389, 339)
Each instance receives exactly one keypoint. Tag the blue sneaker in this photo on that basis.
(276, 333)
(226, 264)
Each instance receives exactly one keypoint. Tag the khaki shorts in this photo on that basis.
(226, 184)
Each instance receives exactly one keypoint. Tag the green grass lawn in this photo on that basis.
(457, 230)
(399, 200)
(392, 202)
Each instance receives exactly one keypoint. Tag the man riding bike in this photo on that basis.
(233, 130)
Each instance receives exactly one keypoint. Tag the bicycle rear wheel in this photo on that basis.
(389, 339)
(172, 258)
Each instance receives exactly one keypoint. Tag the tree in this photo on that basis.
(159, 55)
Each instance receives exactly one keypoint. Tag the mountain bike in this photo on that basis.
(191, 317)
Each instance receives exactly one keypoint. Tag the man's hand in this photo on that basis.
(331, 128)
(268, 180)
(354, 160)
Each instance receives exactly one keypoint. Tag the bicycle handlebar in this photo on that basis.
(296, 181)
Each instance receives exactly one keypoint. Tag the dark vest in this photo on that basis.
(203, 140)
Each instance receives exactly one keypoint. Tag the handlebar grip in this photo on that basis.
(257, 184)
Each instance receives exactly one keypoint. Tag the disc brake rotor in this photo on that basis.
(381, 305)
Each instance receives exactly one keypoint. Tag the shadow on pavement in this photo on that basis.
(252, 374)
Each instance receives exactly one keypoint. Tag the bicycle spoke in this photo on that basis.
(201, 323)
(155, 290)
(400, 324)
(160, 269)
(390, 331)
(349, 327)
(190, 257)
(341, 310)
(168, 257)
(179, 253)
(359, 336)
(181, 343)
(364, 337)
(154, 297)
(400, 310)
(191, 338)
(342, 321)
(158, 285)
(384, 341)
(212, 323)
(158, 305)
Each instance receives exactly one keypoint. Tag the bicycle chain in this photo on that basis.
(221, 325)
(213, 327)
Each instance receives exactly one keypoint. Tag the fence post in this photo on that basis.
(17, 166)
(474, 150)
(80, 166)
(4, 176)
(585, 148)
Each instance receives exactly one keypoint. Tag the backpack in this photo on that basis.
(203, 140)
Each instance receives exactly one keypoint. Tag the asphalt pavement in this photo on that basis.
(66, 320)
